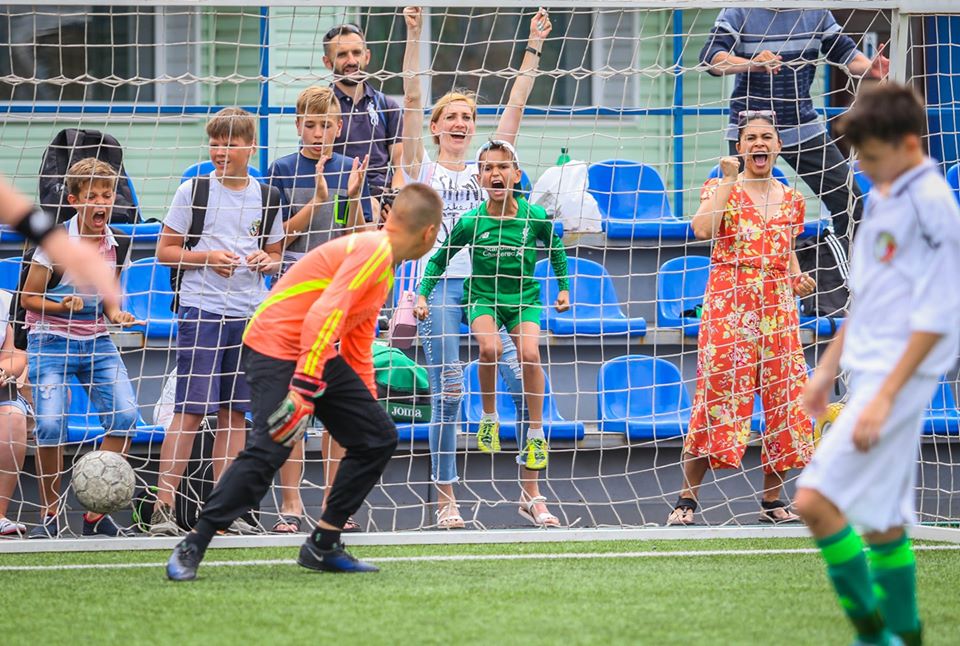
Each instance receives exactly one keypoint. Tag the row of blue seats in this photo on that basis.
(642, 397)
(631, 196)
(596, 308)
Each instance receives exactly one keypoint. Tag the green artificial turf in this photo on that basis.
(728, 599)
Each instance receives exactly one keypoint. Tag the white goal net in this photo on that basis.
(624, 115)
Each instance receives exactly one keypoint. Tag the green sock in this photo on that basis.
(895, 571)
(848, 570)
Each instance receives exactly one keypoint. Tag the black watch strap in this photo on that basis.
(36, 225)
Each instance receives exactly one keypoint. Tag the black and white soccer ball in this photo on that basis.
(103, 482)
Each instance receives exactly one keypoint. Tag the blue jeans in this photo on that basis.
(440, 338)
(96, 364)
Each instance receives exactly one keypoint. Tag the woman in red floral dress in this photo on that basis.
(749, 334)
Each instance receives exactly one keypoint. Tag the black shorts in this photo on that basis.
(347, 409)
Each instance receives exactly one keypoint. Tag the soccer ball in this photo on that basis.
(103, 481)
(825, 421)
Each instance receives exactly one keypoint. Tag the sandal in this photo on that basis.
(287, 524)
(351, 526)
(776, 512)
(543, 519)
(682, 513)
(11, 529)
(448, 517)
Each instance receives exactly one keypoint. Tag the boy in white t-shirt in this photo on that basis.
(222, 285)
(901, 335)
(67, 337)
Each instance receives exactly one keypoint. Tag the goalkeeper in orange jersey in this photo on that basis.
(333, 294)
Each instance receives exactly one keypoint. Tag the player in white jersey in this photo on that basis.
(901, 335)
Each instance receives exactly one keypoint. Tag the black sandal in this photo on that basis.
(768, 513)
(287, 525)
(682, 513)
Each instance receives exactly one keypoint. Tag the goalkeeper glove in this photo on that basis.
(289, 422)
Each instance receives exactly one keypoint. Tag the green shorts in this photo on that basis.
(508, 316)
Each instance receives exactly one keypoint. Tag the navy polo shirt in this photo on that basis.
(370, 127)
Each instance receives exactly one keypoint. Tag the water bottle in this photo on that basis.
(563, 158)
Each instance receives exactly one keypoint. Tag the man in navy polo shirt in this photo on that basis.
(774, 53)
(371, 120)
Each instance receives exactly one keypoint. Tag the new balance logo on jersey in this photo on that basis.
(484, 235)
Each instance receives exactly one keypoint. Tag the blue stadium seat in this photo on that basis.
(10, 273)
(953, 179)
(145, 232)
(147, 295)
(642, 397)
(822, 325)
(554, 425)
(633, 201)
(83, 422)
(206, 167)
(594, 306)
(863, 182)
(779, 174)
(681, 283)
(942, 416)
(413, 432)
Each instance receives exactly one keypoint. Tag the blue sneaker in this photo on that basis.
(49, 528)
(183, 563)
(336, 559)
(103, 526)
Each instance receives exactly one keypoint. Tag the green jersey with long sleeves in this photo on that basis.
(504, 255)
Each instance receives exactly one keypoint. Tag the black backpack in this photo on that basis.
(69, 146)
(825, 259)
(18, 314)
(269, 198)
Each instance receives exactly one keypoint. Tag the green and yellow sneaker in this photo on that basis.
(488, 435)
(537, 454)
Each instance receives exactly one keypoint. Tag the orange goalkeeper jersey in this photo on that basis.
(334, 293)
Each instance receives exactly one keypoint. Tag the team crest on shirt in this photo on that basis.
(885, 248)
(254, 228)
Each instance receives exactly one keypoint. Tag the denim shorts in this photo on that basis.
(209, 372)
(58, 364)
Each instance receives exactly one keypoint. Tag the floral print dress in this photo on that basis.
(750, 339)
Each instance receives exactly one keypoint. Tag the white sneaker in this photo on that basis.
(164, 523)
(243, 528)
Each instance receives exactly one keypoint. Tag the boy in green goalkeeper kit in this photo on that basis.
(502, 234)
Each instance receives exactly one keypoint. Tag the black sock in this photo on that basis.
(325, 539)
(200, 541)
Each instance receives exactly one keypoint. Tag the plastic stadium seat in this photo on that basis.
(595, 308)
(142, 232)
(147, 295)
(953, 179)
(10, 273)
(942, 416)
(642, 397)
(554, 425)
(822, 325)
(863, 182)
(413, 432)
(206, 167)
(779, 174)
(83, 422)
(681, 283)
(633, 201)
